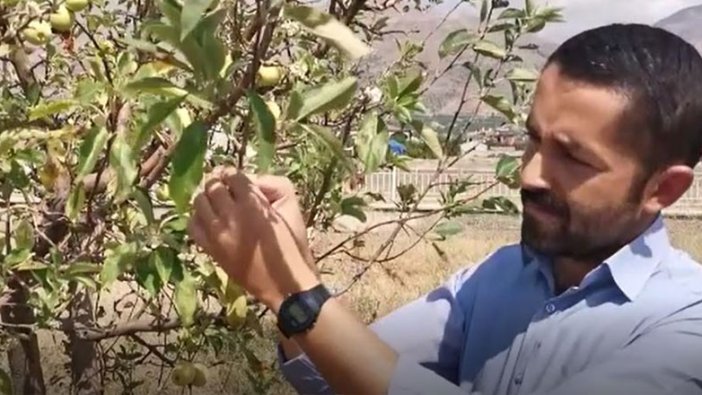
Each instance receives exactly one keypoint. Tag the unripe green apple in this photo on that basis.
(77, 5)
(62, 20)
(183, 374)
(269, 75)
(200, 378)
(37, 32)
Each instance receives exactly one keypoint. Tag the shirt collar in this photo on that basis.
(635, 263)
(632, 265)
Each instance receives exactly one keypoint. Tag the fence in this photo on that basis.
(385, 184)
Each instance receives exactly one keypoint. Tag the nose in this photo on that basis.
(533, 175)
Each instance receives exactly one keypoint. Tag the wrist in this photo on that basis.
(299, 283)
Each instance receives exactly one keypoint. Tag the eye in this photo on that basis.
(575, 159)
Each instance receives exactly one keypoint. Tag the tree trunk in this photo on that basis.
(23, 355)
(85, 366)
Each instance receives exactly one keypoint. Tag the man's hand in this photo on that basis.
(237, 222)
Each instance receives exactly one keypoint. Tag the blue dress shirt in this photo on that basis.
(633, 326)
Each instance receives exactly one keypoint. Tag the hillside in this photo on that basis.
(686, 24)
(443, 96)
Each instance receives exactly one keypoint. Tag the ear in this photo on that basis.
(666, 187)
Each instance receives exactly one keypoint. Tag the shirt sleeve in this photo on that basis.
(665, 360)
(427, 333)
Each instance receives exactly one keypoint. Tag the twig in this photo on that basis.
(153, 350)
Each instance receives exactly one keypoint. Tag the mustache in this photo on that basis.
(544, 198)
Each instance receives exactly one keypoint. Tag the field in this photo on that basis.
(381, 289)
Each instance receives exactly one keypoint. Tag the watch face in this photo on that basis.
(298, 315)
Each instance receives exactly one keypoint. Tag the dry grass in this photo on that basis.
(380, 291)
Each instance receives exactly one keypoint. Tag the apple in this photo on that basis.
(77, 5)
(183, 374)
(37, 32)
(62, 20)
(200, 378)
(269, 75)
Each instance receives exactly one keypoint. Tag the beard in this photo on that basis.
(576, 231)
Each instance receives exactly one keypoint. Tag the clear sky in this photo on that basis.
(585, 14)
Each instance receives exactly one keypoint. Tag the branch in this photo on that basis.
(329, 172)
(134, 327)
(153, 349)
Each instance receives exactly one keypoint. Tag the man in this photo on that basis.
(594, 300)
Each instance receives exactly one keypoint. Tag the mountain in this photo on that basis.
(430, 28)
(686, 24)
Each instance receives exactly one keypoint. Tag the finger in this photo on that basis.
(197, 232)
(275, 188)
(220, 199)
(203, 210)
(241, 186)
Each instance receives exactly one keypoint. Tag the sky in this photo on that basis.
(584, 14)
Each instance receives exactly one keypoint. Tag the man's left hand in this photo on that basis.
(234, 222)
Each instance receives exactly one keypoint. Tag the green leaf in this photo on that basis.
(87, 90)
(265, 129)
(117, 261)
(144, 202)
(351, 206)
(156, 114)
(328, 28)
(511, 13)
(431, 139)
(90, 149)
(24, 235)
(46, 109)
(499, 204)
(456, 41)
(17, 256)
(330, 141)
(163, 87)
(77, 268)
(172, 11)
(147, 276)
(186, 299)
(123, 162)
(187, 164)
(448, 228)
(507, 171)
(154, 85)
(372, 142)
(162, 259)
(333, 95)
(520, 74)
(501, 104)
(75, 202)
(409, 83)
(192, 13)
(489, 49)
(528, 7)
(484, 10)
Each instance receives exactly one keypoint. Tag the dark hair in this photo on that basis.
(658, 71)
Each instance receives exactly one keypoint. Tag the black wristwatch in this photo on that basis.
(299, 311)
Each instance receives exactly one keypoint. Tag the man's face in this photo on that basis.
(581, 190)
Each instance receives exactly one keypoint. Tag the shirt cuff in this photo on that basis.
(302, 375)
(410, 378)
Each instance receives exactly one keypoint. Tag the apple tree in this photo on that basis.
(112, 111)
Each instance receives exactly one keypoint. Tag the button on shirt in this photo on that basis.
(633, 326)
